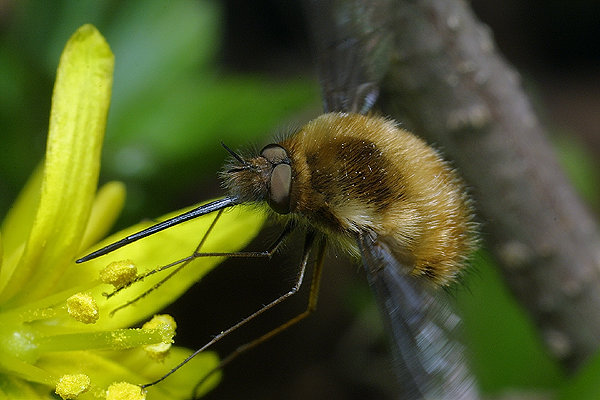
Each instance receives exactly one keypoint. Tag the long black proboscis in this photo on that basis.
(196, 212)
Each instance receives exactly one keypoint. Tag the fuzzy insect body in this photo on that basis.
(353, 174)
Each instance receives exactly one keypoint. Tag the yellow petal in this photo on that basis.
(17, 224)
(1, 251)
(24, 370)
(133, 366)
(105, 210)
(181, 383)
(77, 122)
(234, 230)
(13, 388)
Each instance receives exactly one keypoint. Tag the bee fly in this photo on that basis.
(360, 182)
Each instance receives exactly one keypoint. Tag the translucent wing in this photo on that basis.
(429, 362)
(353, 43)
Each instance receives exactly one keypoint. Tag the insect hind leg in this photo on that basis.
(308, 245)
(310, 308)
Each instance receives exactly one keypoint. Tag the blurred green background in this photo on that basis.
(192, 74)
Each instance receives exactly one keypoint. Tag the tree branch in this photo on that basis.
(448, 84)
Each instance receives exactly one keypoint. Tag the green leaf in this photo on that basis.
(585, 385)
(506, 350)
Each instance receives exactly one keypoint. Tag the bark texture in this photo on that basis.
(449, 85)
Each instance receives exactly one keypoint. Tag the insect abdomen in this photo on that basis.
(356, 173)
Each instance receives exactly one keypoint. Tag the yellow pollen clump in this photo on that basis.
(125, 391)
(119, 273)
(83, 308)
(71, 386)
(167, 325)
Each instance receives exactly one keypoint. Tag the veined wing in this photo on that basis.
(429, 360)
(353, 42)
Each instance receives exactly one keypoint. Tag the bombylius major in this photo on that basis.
(358, 181)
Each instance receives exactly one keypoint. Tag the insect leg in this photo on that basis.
(182, 263)
(310, 237)
(311, 306)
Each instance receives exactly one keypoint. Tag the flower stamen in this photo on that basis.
(120, 274)
(125, 391)
(83, 308)
(71, 386)
(166, 325)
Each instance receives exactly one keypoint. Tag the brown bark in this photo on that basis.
(449, 85)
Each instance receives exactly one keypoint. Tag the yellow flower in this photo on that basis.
(57, 333)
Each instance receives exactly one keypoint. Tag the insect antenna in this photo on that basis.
(244, 164)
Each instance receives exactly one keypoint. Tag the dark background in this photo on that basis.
(240, 72)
